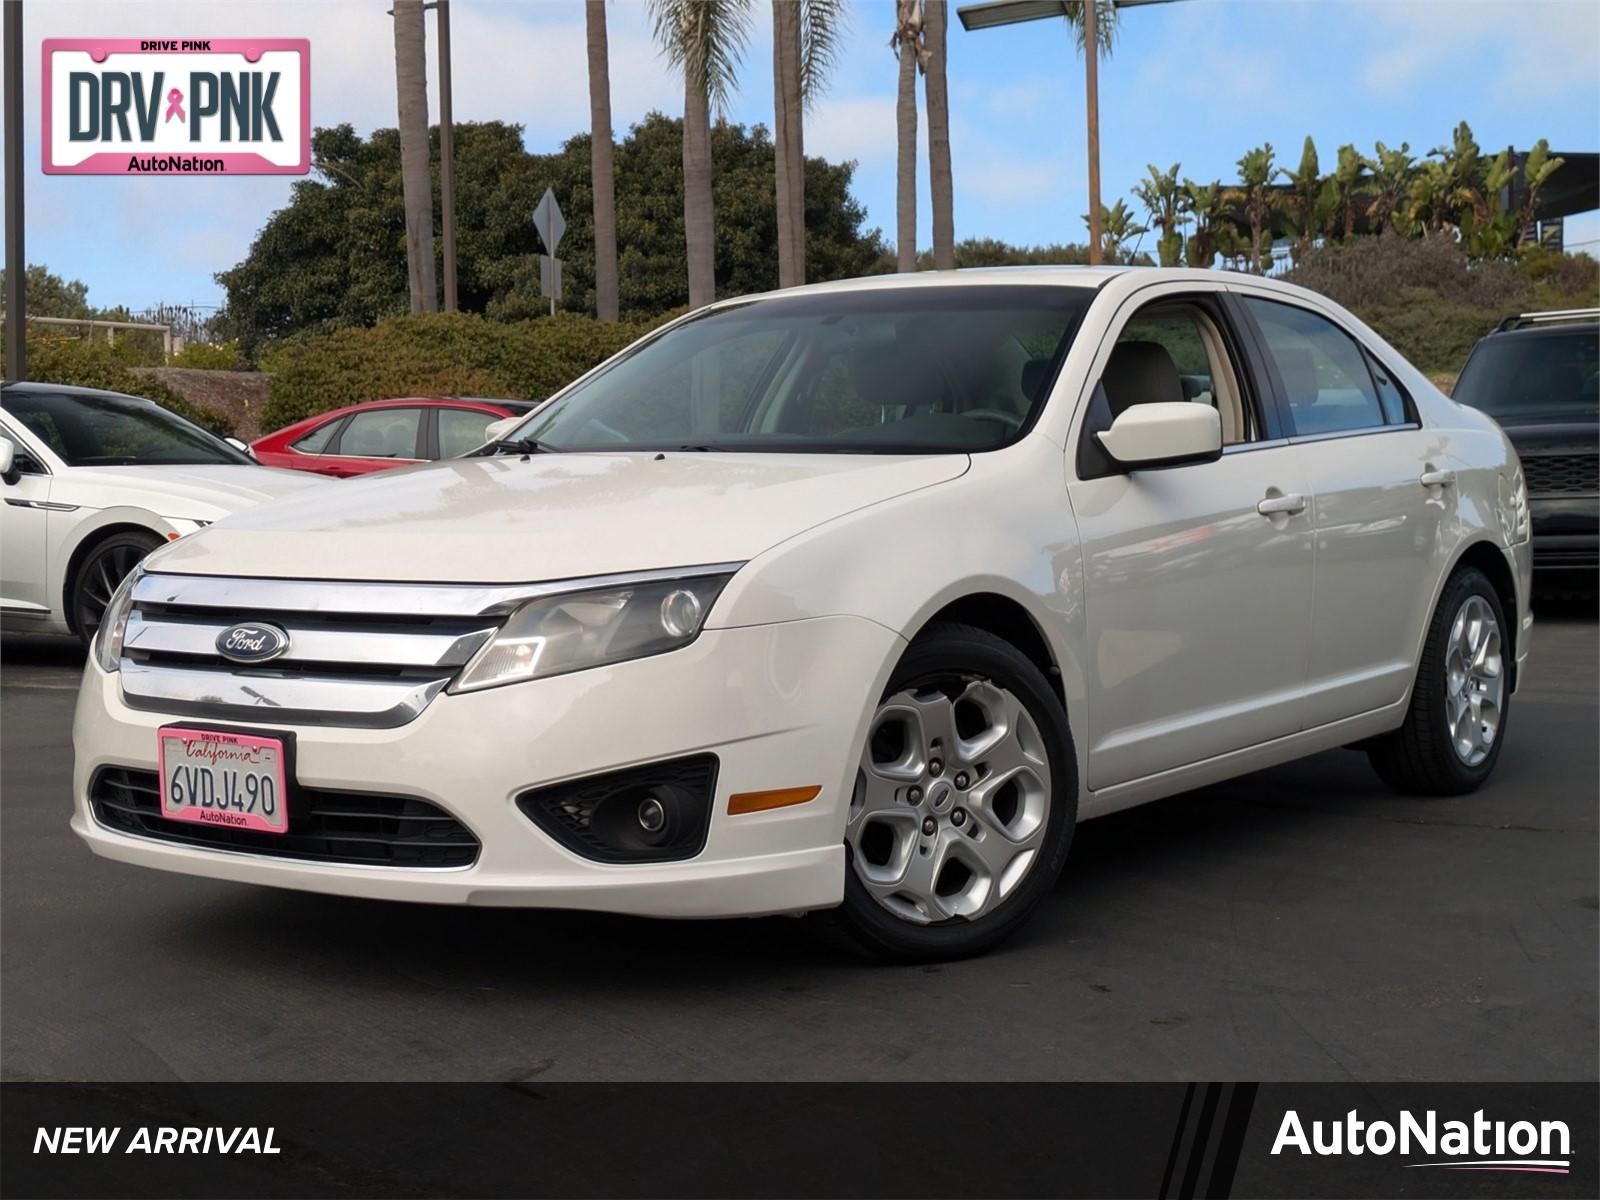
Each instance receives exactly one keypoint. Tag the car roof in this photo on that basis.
(36, 387)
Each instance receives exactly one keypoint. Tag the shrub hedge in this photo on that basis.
(86, 362)
(438, 354)
(1432, 304)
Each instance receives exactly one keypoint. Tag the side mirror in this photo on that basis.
(495, 430)
(241, 446)
(8, 460)
(1164, 434)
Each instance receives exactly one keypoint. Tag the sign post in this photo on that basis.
(547, 219)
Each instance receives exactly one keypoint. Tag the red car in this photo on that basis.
(385, 433)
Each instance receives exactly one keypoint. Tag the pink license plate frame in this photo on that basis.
(219, 750)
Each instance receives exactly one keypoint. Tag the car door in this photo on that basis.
(25, 532)
(375, 439)
(1197, 579)
(1383, 486)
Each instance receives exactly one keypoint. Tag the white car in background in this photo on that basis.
(93, 481)
(856, 597)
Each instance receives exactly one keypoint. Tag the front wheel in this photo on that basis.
(1456, 722)
(97, 577)
(965, 801)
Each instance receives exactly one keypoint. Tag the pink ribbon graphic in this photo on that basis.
(175, 105)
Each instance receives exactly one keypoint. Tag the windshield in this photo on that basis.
(1551, 377)
(906, 370)
(106, 429)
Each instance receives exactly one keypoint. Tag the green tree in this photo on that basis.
(335, 255)
(1162, 198)
(49, 295)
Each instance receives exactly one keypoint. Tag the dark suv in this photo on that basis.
(1539, 376)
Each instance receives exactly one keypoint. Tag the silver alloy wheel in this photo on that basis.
(1474, 680)
(951, 802)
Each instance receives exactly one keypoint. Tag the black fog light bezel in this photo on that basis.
(597, 816)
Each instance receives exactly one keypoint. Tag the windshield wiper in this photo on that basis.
(702, 449)
(523, 446)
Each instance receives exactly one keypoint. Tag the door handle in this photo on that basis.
(1282, 505)
(1437, 479)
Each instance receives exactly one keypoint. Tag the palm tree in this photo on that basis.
(1117, 228)
(805, 43)
(703, 39)
(1259, 200)
(1162, 199)
(940, 179)
(1308, 196)
(788, 126)
(1206, 204)
(1536, 171)
(1392, 171)
(910, 48)
(602, 178)
(1105, 23)
(416, 178)
(1345, 188)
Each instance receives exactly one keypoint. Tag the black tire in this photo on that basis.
(1419, 756)
(944, 651)
(98, 574)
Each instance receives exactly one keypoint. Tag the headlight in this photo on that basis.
(114, 621)
(571, 631)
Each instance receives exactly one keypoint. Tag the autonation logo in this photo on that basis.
(1476, 1145)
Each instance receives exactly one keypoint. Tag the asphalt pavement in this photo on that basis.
(1299, 923)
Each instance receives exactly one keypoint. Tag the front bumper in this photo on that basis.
(783, 705)
(1566, 532)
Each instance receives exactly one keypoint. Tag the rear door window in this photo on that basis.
(1323, 372)
(382, 433)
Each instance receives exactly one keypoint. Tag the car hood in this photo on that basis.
(552, 516)
(186, 491)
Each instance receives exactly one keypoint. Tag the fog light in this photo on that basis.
(658, 812)
(651, 815)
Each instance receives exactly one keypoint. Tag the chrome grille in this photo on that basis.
(1562, 474)
(359, 654)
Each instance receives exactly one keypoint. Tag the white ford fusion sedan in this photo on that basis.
(855, 597)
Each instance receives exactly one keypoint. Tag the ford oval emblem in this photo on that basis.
(252, 643)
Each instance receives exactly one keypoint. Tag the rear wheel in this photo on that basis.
(1456, 723)
(964, 804)
(97, 577)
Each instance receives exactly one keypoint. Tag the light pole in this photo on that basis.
(992, 13)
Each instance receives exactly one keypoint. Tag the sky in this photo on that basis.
(1197, 82)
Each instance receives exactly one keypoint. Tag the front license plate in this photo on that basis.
(230, 779)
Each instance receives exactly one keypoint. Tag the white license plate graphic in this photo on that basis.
(235, 780)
